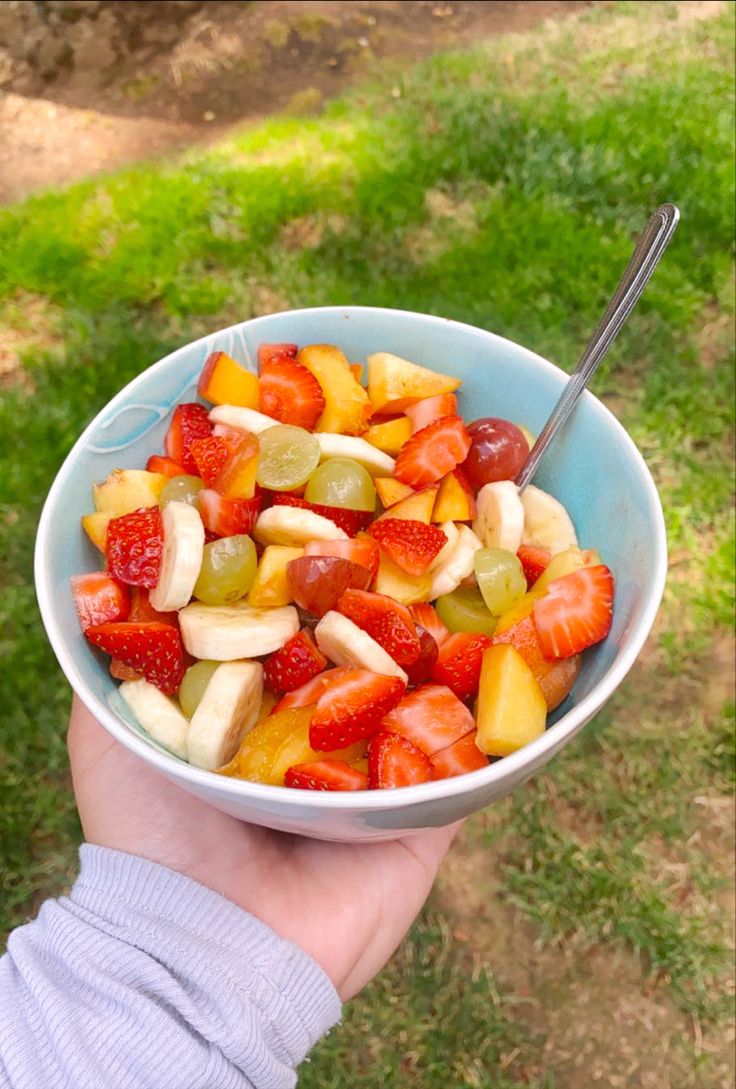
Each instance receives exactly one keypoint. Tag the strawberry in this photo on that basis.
(534, 561)
(267, 352)
(325, 775)
(429, 409)
(362, 550)
(555, 676)
(575, 612)
(189, 422)
(431, 717)
(141, 609)
(134, 545)
(293, 665)
(350, 521)
(310, 692)
(433, 452)
(352, 707)
(427, 616)
(226, 517)
(289, 392)
(99, 598)
(420, 669)
(395, 762)
(152, 649)
(210, 455)
(412, 545)
(459, 661)
(158, 464)
(386, 621)
(459, 758)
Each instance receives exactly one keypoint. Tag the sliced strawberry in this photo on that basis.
(459, 758)
(158, 464)
(189, 422)
(420, 669)
(575, 612)
(534, 561)
(296, 663)
(210, 455)
(267, 352)
(155, 650)
(459, 661)
(431, 717)
(395, 762)
(134, 545)
(386, 621)
(142, 611)
(226, 517)
(98, 598)
(289, 392)
(427, 616)
(429, 409)
(325, 775)
(362, 550)
(412, 545)
(310, 692)
(433, 452)
(352, 707)
(349, 521)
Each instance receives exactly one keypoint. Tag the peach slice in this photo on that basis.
(224, 382)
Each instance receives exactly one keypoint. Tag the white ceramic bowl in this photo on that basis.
(594, 468)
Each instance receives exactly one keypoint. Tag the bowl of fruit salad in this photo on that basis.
(288, 567)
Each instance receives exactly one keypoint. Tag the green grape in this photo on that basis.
(193, 684)
(227, 571)
(288, 456)
(465, 610)
(182, 489)
(500, 577)
(341, 482)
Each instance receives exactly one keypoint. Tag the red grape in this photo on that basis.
(498, 451)
(317, 582)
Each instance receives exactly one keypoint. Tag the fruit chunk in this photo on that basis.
(447, 575)
(268, 352)
(189, 422)
(357, 449)
(501, 578)
(344, 643)
(349, 522)
(546, 522)
(223, 381)
(412, 545)
(416, 507)
(511, 710)
(395, 762)
(564, 563)
(458, 759)
(296, 663)
(389, 436)
(228, 632)
(307, 694)
(237, 477)
(421, 668)
(181, 489)
(194, 684)
(226, 712)
(347, 408)
(181, 557)
(290, 393)
(98, 598)
(288, 457)
(391, 491)
(134, 547)
(157, 714)
(426, 615)
(352, 708)
(169, 468)
(432, 452)
(455, 501)
(95, 526)
(497, 452)
(395, 583)
(227, 570)
(395, 383)
(464, 610)
(575, 612)
(227, 517)
(281, 525)
(239, 419)
(342, 482)
(210, 455)
(152, 649)
(499, 519)
(362, 550)
(126, 490)
(534, 562)
(459, 661)
(325, 775)
(431, 717)
(429, 409)
(142, 610)
(386, 621)
(258, 748)
(296, 749)
(317, 582)
(271, 586)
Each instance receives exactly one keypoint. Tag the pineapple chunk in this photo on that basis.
(95, 526)
(270, 586)
(389, 436)
(511, 710)
(347, 408)
(408, 589)
(395, 383)
(126, 490)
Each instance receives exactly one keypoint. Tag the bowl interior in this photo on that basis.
(593, 467)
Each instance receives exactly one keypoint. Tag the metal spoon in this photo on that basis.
(651, 245)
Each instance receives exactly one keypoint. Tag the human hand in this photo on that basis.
(347, 905)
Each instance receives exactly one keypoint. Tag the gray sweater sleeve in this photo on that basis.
(143, 979)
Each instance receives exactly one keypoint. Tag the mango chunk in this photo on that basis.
(224, 381)
(347, 408)
(270, 587)
(511, 710)
(395, 383)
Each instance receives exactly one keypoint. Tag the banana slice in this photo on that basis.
(181, 559)
(245, 419)
(227, 711)
(499, 521)
(458, 565)
(450, 531)
(345, 644)
(295, 527)
(546, 522)
(158, 715)
(223, 633)
(348, 446)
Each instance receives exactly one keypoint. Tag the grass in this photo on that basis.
(500, 186)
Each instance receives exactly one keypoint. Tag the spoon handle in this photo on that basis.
(645, 258)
